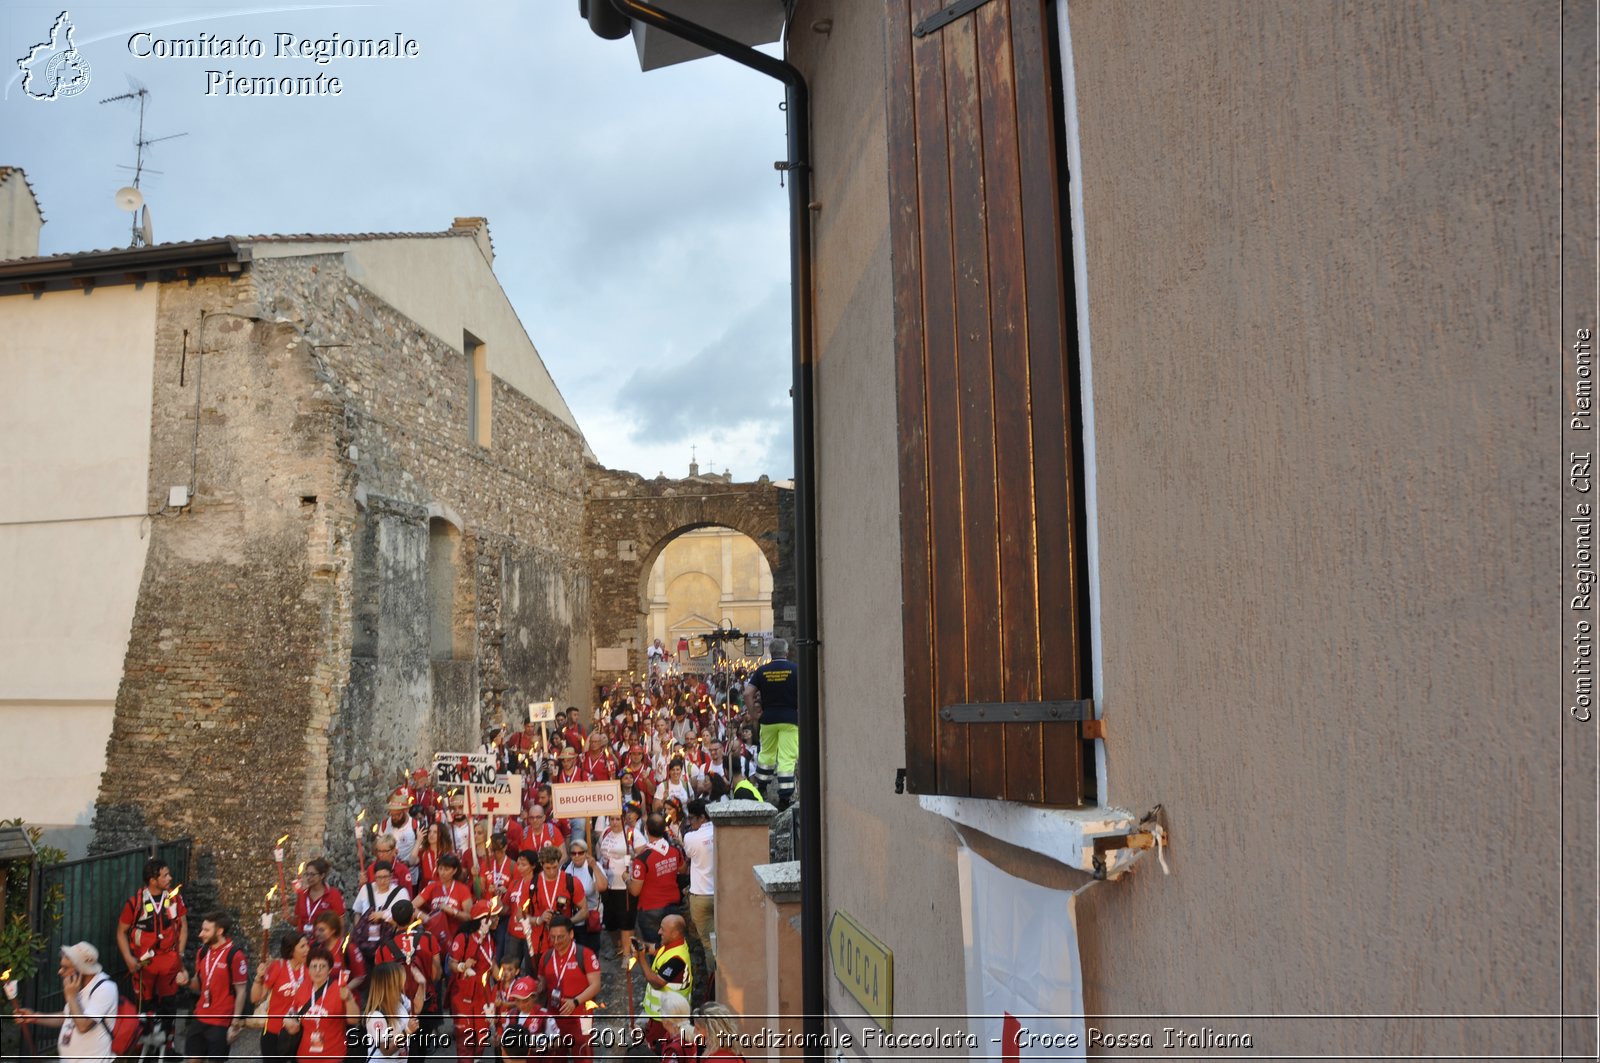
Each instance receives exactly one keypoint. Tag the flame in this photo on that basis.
(301, 869)
(592, 1005)
(376, 829)
(172, 894)
(361, 815)
(282, 840)
(5, 975)
(273, 892)
(633, 961)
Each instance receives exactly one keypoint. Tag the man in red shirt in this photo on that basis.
(599, 762)
(152, 932)
(654, 879)
(570, 975)
(221, 971)
(573, 732)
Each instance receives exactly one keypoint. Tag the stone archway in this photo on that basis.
(628, 520)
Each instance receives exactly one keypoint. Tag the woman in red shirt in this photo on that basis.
(313, 895)
(323, 1010)
(278, 983)
(447, 902)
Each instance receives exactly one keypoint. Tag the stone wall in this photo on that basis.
(627, 522)
(356, 584)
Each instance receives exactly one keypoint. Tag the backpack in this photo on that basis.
(366, 941)
(125, 1026)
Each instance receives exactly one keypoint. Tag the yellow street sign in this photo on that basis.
(863, 966)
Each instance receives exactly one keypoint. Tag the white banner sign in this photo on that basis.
(1024, 975)
(503, 797)
(454, 769)
(579, 800)
(541, 711)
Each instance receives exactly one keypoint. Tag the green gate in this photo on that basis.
(93, 891)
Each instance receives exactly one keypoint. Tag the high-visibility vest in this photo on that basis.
(654, 996)
(745, 784)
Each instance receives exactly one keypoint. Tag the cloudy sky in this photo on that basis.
(639, 227)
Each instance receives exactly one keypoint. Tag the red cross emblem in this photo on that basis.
(490, 805)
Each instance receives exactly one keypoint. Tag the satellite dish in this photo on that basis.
(129, 198)
(144, 226)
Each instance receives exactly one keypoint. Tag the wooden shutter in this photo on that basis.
(986, 379)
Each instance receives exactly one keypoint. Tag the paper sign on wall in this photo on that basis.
(1024, 975)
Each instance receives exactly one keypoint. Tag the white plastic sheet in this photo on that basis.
(1024, 977)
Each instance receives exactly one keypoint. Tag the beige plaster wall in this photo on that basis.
(888, 863)
(1321, 300)
(74, 454)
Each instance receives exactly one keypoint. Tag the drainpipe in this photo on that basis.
(798, 111)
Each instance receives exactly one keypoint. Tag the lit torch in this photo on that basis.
(277, 855)
(11, 986)
(266, 919)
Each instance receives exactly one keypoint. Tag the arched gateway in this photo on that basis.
(628, 520)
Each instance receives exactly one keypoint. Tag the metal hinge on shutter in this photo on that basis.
(946, 15)
(1080, 710)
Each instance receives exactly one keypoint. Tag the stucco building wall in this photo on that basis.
(73, 536)
(1320, 313)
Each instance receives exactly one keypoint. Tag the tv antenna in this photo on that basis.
(129, 197)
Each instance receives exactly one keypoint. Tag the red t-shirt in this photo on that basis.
(567, 975)
(323, 1020)
(519, 903)
(153, 921)
(498, 873)
(597, 765)
(458, 895)
(283, 984)
(479, 986)
(547, 835)
(564, 894)
(344, 954)
(423, 949)
(219, 970)
(306, 910)
(659, 872)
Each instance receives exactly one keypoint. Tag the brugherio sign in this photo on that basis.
(578, 800)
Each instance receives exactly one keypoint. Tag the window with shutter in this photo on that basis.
(993, 592)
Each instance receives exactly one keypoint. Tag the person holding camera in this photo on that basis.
(667, 972)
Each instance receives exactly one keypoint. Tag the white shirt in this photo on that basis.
(381, 902)
(97, 1000)
(405, 839)
(701, 845)
(378, 1027)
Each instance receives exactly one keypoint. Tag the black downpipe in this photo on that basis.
(798, 112)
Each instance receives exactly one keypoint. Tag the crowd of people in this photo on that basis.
(482, 934)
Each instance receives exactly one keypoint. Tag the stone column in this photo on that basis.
(780, 887)
(742, 828)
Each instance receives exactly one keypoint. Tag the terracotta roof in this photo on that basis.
(340, 238)
(261, 238)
